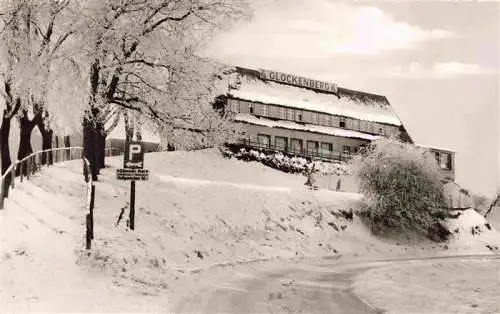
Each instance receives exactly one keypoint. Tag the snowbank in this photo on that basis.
(472, 233)
(440, 287)
(445, 286)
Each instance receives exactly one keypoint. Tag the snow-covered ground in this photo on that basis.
(445, 286)
(197, 211)
(440, 287)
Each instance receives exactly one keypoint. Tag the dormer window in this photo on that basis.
(282, 113)
(342, 122)
(314, 118)
(298, 115)
(265, 110)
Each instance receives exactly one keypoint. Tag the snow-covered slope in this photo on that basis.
(198, 210)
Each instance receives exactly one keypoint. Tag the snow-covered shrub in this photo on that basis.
(401, 183)
(279, 161)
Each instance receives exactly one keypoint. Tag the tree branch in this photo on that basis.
(167, 19)
(124, 104)
(113, 125)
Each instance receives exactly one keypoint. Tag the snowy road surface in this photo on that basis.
(309, 287)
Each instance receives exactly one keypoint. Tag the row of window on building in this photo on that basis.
(324, 149)
(312, 117)
(314, 148)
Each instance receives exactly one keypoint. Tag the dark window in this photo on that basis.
(281, 142)
(327, 120)
(250, 108)
(437, 156)
(282, 113)
(369, 127)
(264, 140)
(265, 110)
(326, 149)
(298, 115)
(314, 118)
(449, 162)
(295, 145)
(342, 122)
(363, 126)
(445, 162)
(312, 147)
(346, 150)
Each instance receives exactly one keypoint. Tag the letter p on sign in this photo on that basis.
(134, 155)
(134, 149)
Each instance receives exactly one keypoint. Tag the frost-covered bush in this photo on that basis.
(401, 183)
(288, 164)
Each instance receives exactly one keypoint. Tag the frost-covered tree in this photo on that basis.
(142, 56)
(34, 67)
(402, 186)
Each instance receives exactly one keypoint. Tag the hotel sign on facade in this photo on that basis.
(297, 81)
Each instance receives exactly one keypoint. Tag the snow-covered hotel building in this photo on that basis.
(312, 118)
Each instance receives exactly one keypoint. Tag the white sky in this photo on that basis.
(437, 62)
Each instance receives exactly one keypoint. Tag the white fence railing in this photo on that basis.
(34, 162)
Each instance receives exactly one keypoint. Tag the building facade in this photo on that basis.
(312, 118)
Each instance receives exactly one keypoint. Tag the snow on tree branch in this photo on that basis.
(142, 56)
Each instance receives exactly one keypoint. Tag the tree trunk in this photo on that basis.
(101, 148)
(47, 144)
(67, 143)
(89, 146)
(25, 149)
(5, 151)
(47, 133)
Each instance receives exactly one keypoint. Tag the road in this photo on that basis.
(307, 287)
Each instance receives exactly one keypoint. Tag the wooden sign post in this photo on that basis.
(133, 164)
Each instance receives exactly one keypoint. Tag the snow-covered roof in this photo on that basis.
(248, 118)
(436, 148)
(348, 103)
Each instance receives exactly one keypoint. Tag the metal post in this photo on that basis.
(35, 163)
(132, 205)
(88, 235)
(1, 192)
(13, 174)
(56, 151)
(28, 168)
(91, 209)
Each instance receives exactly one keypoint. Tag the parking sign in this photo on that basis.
(134, 155)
